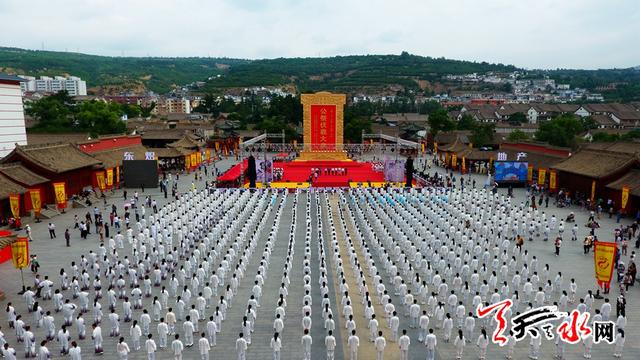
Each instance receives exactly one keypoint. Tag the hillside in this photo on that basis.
(348, 73)
(154, 73)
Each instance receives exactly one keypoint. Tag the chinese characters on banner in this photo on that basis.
(14, 202)
(20, 252)
(542, 176)
(128, 155)
(571, 327)
(110, 178)
(149, 155)
(36, 201)
(530, 173)
(323, 127)
(604, 261)
(100, 180)
(625, 197)
(61, 194)
(553, 184)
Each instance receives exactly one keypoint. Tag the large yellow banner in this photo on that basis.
(207, 154)
(36, 201)
(454, 161)
(542, 176)
(463, 165)
(117, 174)
(593, 191)
(198, 157)
(187, 162)
(194, 160)
(530, 173)
(14, 202)
(61, 194)
(553, 185)
(109, 177)
(604, 255)
(20, 252)
(100, 180)
(625, 197)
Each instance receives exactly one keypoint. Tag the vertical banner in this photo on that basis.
(61, 194)
(20, 252)
(530, 173)
(109, 178)
(593, 191)
(117, 174)
(625, 197)
(542, 176)
(194, 160)
(207, 154)
(422, 147)
(198, 158)
(323, 127)
(435, 148)
(36, 201)
(553, 184)
(454, 161)
(463, 165)
(100, 180)
(187, 162)
(14, 202)
(604, 261)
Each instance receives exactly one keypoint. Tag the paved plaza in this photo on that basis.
(54, 255)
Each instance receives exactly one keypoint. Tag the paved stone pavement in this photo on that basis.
(53, 255)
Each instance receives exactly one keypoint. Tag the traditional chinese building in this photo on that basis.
(58, 162)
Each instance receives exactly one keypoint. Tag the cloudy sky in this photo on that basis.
(527, 33)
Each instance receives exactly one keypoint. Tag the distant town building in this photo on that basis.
(45, 84)
(12, 128)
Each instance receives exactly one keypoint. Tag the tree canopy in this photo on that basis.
(58, 114)
(560, 131)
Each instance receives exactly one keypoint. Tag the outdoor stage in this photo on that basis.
(296, 174)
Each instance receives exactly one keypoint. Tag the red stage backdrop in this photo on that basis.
(323, 127)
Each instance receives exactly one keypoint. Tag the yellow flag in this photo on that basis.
(61, 194)
(14, 202)
(604, 259)
(109, 177)
(625, 197)
(36, 202)
(20, 252)
(542, 176)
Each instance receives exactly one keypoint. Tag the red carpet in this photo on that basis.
(299, 171)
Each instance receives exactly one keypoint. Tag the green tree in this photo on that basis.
(53, 113)
(440, 121)
(354, 127)
(604, 137)
(276, 124)
(132, 111)
(560, 131)
(517, 135)
(99, 118)
(145, 111)
(517, 118)
(466, 122)
(482, 134)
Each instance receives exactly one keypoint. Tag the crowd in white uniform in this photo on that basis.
(426, 258)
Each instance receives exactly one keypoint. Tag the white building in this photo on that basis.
(72, 84)
(12, 129)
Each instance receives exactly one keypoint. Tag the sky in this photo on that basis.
(547, 34)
